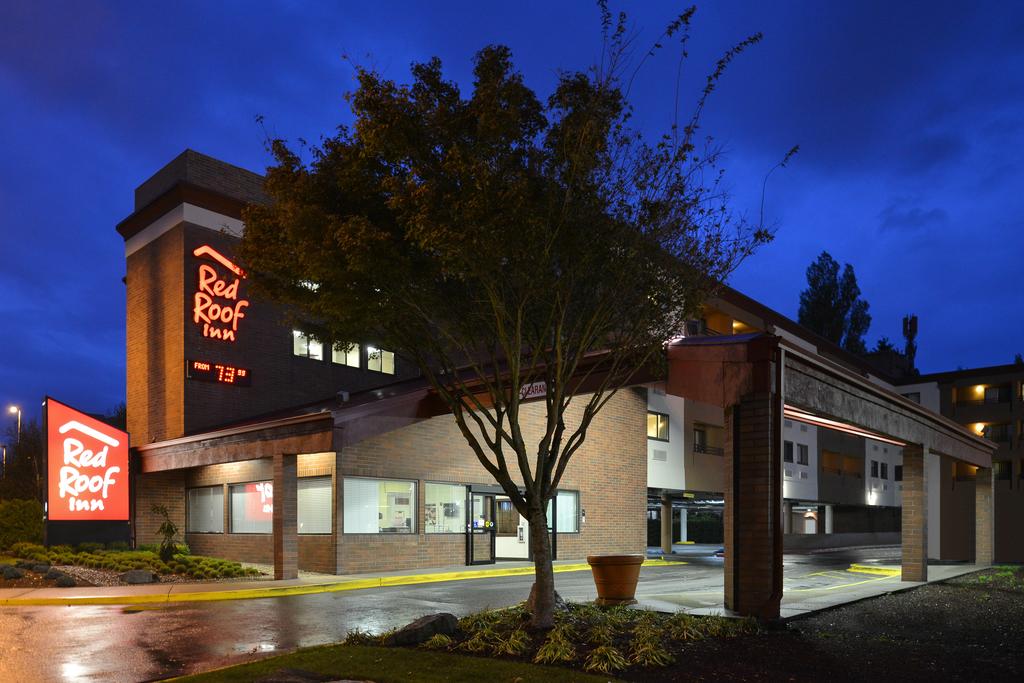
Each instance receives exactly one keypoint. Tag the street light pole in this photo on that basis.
(12, 410)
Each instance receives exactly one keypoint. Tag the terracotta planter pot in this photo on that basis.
(615, 577)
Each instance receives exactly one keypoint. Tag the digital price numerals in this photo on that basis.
(221, 373)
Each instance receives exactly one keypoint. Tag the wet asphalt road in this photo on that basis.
(116, 643)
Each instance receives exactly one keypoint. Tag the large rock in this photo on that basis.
(65, 581)
(53, 574)
(423, 629)
(136, 576)
(10, 572)
(41, 568)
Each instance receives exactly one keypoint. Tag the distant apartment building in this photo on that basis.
(990, 402)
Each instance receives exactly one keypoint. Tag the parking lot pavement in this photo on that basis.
(117, 643)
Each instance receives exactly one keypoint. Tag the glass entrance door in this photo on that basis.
(480, 528)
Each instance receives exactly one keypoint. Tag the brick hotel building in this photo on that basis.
(269, 446)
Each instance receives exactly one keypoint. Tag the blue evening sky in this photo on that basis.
(910, 119)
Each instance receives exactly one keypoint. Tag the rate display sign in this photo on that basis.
(87, 467)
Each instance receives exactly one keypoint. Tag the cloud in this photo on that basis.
(899, 216)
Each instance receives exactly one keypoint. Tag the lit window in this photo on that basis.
(346, 354)
(379, 360)
(315, 505)
(657, 426)
(205, 510)
(445, 509)
(252, 508)
(787, 451)
(567, 506)
(375, 506)
(305, 346)
(801, 454)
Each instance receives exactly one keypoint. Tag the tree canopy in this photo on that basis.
(832, 306)
(502, 241)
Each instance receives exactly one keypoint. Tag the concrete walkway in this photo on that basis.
(307, 583)
(803, 592)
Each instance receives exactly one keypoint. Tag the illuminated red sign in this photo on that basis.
(215, 304)
(87, 466)
(206, 371)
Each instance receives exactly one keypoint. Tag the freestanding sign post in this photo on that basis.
(87, 478)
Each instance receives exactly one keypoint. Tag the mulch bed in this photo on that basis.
(957, 631)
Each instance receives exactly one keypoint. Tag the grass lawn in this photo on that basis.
(382, 664)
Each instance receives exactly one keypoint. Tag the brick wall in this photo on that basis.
(154, 350)
(609, 471)
(160, 488)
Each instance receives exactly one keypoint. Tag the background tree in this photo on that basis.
(831, 304)
(500, 241)
(25, 463)
(910, 341)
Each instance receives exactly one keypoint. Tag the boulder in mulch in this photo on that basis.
(137, 576)
(423, 629)
(53, 574)
(11, 572)
(40, 568)
(65, 581)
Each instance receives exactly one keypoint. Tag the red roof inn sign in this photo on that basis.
(87, 467)
(216, 307)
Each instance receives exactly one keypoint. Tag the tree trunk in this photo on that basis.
(542, 597)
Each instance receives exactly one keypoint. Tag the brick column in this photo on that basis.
(286, 517)
(339, 548)
(984, 536)
(915, 514)
(753, 508)
(666, 523)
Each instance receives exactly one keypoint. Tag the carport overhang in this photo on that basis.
(758, 379)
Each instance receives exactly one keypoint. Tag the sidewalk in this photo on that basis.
(306, 584)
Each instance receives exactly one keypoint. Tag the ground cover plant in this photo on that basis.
(94, 556)
(585, 637)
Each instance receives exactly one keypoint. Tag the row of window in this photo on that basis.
(802, 454)
(371, 506)
(377, 360)
(251, 507)
(880, 470)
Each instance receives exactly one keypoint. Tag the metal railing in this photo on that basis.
(709, 450)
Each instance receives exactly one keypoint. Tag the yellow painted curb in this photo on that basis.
(308, 589)
(868, 569)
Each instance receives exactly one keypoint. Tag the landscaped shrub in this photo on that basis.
(21, 521)
(196, 566)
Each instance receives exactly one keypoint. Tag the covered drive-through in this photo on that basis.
(760, 379)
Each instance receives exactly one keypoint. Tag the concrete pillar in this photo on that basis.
(286, 517)
(683, 537)
(666, 523)
(984, 517)
(753, 507)
(915, 514)
(829, 519)
(787, 518)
